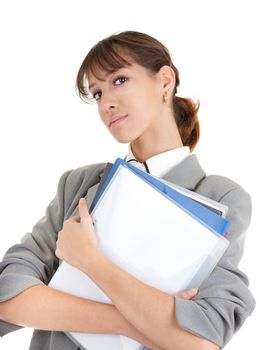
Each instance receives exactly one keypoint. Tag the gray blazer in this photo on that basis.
(224, 300)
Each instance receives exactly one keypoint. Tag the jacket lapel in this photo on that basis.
(90, 194)
(187, 174)
(92, 190)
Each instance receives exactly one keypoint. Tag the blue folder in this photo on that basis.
(195, 209)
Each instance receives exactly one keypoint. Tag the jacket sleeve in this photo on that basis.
(33, 261)
(224, 300)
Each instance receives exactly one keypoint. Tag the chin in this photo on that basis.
(123, 138)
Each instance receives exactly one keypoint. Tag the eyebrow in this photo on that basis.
(106, 75)
(92, 85)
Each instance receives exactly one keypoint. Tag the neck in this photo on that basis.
(144, 148)
(162, 135)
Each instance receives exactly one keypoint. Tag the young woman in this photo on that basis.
(134, 83)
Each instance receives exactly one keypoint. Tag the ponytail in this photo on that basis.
(186, 116)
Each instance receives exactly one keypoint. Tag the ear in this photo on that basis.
(167, 78)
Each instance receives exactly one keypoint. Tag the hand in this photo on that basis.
(187, 294)
(77, 238)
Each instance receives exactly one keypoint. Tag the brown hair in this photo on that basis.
(110, 54)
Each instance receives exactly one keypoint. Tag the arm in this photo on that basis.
(147, 309)
(151, 311)
(45, 308)
(33, 261)
(224, 301)
(27, 267)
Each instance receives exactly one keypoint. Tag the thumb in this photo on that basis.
(83, 210)
(187, 294)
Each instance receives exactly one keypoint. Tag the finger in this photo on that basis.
(187, 294)
(83, 210)
(73, 218)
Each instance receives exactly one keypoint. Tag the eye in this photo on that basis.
(96, 95)
(120, 80)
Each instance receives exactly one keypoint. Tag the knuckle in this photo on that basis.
(66, 222)
(60, 233)
(57, 252)
(183, 295)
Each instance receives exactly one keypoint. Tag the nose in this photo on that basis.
(108, 102)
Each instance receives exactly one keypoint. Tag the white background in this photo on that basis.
(46, 129)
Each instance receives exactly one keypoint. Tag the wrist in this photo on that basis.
(91, 260)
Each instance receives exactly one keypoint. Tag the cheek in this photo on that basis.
(100, 115)
(148, 106)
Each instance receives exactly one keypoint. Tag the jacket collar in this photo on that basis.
(187, 174)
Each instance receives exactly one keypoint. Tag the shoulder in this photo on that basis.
(230, 193)
(220, 187)
(74, 184)
(86, 175)
(239, 203)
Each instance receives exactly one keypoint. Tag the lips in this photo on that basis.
(116, 119)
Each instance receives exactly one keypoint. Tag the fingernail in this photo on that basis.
(83, 201)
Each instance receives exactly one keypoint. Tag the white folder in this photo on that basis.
(150, 237)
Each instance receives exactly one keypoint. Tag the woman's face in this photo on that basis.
(130, 101)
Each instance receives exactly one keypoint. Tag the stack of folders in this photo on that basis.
(164, 235)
